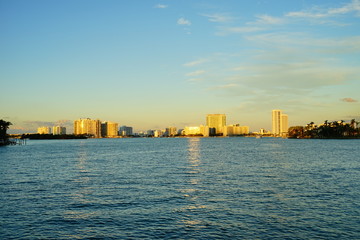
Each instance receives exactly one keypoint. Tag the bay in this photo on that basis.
(180, 188)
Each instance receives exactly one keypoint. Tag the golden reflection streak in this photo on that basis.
(194, 163)
(80, 195)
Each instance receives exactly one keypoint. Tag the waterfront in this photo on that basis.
(181, 188)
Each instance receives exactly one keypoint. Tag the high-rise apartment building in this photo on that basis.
(276, 121)
(280, 123)
(87, 126)
(58, 130)
(217, 121)
(109, 129)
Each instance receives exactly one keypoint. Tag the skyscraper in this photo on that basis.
(280, 123)
(87, 126)
(217, 121)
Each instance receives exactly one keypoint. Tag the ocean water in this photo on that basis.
(180, 188)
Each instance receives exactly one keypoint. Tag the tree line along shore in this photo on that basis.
(327, 130)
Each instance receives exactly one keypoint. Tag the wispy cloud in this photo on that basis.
(318, 12)
(218, 17)
(162, 6)
(302, 39)
(39, 123)
(195, 63)
(195, 73)
(349, 100)
(31, 126)
(223, 31)
(229, 85)
(267, 19)
(183, 21)
(193, 80)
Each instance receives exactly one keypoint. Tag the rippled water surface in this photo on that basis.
(181, 188)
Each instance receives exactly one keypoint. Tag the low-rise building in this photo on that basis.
(44, 130)
(236, 130)
(158, 133)
(125, 131)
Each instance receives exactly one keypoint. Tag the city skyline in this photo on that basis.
(153, 64)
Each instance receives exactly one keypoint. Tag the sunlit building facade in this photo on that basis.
(217, 121)
(192, 131)
(109, 129)
(236, 130)
(87, 126)
(44, 130)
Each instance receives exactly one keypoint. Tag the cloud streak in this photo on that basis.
(268, 20)
(218, 18)
(161, 6)
(224, 31)
(195, 73)
(195, 63)
(349, 100)
(317, 12)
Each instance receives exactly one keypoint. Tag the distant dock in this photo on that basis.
(17, 141)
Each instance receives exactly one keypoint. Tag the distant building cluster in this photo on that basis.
(215, 126)
(56, 130)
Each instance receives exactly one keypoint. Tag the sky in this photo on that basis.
(153, 64)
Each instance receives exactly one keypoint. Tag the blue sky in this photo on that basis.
(152, 64)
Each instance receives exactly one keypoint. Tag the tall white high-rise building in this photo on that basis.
(217, 121)
(276, 122)
(280, 122)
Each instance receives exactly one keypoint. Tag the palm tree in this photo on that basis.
(4, 125)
